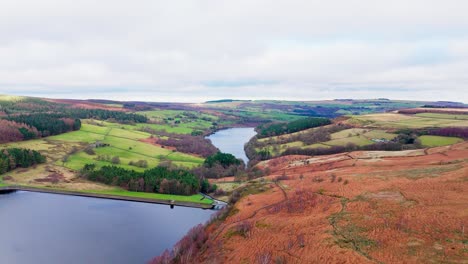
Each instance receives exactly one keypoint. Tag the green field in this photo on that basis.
(443, 116)
(196, 198)
(436, 141)
(179, 121)
(357, 140)
(125, 144)
(316, 145)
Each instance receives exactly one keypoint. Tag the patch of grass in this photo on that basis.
(128, 134)
(261, 224)
(196, 198)
(347, 234)
(78, 136)
(348, 133)
(443, 116)
(233, 211)
(316, 145)
(436, 141)
(35, 144)
(357, 140)
(379, 134)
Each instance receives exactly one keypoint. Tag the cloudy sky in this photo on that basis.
(210, 49)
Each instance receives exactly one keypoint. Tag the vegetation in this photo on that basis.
(156, 180)
(435, 141)
(123, 142)
(195, 198)
(461, 132)
(45, 124)
(189, 144)
(11, 131)
(400, 121)
(100, 114)
(13, 158)
(276, 129)
(223, 159)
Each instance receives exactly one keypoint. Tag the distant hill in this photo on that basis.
(226, 101)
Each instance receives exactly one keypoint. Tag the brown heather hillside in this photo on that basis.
(359, 207)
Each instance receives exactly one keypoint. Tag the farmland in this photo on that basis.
(66, 155)
(398, 121)
(356, 136)
(436, 141)
(123, 143)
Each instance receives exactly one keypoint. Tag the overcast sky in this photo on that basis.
(200, 50)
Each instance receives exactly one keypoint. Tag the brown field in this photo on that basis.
(359, 207)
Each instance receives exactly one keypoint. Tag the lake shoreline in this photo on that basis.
(7, 189)
(224, 141)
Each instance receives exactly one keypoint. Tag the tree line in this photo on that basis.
(101, 114)
(156, 180)
(13, 158)
(11, 131)
(275, 129)
(26, 126)
(46, 124)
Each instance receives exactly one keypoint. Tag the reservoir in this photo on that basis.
(232, 141)
(52, 228)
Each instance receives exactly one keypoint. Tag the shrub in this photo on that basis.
(90, 151)
(244, 228)
(115, 160)
(235, 196)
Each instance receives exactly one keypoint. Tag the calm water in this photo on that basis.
(51, 228)
(232, 141)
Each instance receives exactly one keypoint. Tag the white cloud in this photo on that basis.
(189, 50)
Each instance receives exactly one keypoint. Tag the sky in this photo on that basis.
(192, 51)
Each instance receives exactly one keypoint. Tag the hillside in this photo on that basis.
(358, 207)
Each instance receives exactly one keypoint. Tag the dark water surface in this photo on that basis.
(232, 141)
(51, 228)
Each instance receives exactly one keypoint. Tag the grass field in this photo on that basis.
(179, 121)
(196, 198)
(436, 141)
(443, 116)
(125, 144)
(357, 140)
